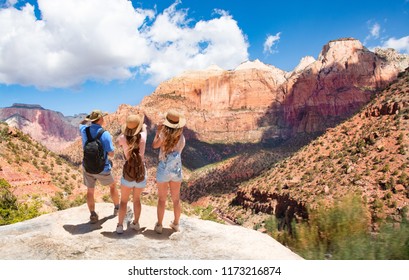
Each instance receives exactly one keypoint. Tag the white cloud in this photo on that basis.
(179, 47)
(374, 31)
(105, 40)
(400, 45)
(270, 42)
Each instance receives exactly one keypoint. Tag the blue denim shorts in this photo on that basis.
(170, 169)
(134, 184)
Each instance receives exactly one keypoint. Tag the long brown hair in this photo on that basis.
(172, 136)
(133, 143)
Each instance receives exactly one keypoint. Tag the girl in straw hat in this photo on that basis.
(133, 138)
(170, 140)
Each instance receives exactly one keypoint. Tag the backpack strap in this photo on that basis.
(99, 134)
(89, 137)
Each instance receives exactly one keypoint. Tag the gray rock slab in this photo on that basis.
(68, 235)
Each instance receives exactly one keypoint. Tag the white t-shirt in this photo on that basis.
(142, 145)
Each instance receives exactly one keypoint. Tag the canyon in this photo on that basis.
(265, 142)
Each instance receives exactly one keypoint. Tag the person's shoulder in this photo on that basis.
(106, 134)
(82, 127)
(144, 135)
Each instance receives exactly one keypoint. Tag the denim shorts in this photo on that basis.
(170, 169)
(134, 184)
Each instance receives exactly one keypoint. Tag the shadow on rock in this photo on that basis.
(151, 234)
(128, 233)
(86, 227)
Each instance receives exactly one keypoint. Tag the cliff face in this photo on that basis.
(46, 126)
(256, 102)
(366, 155)
(338, 84)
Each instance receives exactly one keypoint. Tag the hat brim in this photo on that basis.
(132, 132)
(181, 123)
(88, 118)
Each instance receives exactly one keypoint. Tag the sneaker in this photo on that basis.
(174, 227)
(116, 209)
(134, 226)
(93, 218)
(158, 228)
(119, 229)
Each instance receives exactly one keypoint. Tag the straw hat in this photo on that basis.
(174, 119)
(95, 115)
(133, 125)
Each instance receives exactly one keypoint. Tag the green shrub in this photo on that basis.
(342, 231)
(60, 202)
(11, 211)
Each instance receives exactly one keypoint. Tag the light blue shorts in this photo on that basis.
(170, 169)
(134, 184)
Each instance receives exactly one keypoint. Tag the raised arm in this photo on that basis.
(157, 142)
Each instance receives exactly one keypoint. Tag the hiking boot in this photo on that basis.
(93, 218)
(134, 226)
(158, 228)
(174, 226)
(119, 229)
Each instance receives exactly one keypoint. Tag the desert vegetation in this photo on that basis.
(12, 211)
(36, 175)
(343, 231)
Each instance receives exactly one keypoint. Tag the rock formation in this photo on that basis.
(365, 155)
(67, 235)
(50, 128)
(257, 102)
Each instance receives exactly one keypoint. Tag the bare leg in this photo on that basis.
(137, 207)
(125, 192)
(114, 193)
(162, 194)
(175, 195)
(90, 199)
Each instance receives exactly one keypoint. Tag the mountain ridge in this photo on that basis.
(49, 127)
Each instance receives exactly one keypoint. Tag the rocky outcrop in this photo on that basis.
(257, 102)
(46, 126)
(67, 235)
(284, 208)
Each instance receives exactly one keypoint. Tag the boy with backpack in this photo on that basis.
(97, 145)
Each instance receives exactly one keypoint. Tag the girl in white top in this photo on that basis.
(133, 136)
(170, 140)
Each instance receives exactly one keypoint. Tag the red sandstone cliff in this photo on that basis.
(257, 102)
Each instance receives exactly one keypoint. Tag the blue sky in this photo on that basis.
(73, 56)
